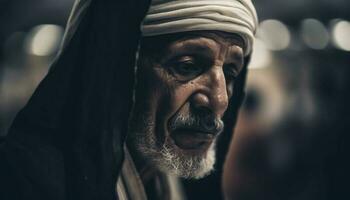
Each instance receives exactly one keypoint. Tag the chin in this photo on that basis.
(167, 155)
(174, 160)
(187, 163)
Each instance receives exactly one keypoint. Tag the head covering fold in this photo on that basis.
(232, 16)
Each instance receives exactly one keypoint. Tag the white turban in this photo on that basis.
(173, 16)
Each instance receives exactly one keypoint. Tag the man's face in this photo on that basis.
(183, 89)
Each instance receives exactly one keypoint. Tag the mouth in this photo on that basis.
(189, 139)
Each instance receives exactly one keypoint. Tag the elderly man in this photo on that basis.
(68, 142)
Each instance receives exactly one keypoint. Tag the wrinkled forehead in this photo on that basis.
(218, 36)
(158, 44)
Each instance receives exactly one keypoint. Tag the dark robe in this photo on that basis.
(67, 142)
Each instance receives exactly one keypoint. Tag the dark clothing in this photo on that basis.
(66, 143)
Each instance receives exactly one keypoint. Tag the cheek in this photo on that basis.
(181, 96)
(174, 95)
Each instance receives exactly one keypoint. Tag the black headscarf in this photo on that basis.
(66, 143)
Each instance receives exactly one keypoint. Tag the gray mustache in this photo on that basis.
(203, 123)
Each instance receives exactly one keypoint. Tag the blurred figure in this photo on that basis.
(290, 140)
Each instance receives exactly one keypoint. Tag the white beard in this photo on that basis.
(166, 157)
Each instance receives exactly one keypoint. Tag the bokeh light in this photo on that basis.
(44, 40)
(275, 34)
(314, 34)
(341, 34)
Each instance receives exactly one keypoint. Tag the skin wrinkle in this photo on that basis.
(167, 100)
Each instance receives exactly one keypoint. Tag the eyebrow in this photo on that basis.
(235, 56)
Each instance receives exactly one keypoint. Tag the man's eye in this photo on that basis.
(230, 74)
(185, 69)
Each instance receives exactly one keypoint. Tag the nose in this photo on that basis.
(214, 97)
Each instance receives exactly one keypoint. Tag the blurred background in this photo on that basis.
(290, 139)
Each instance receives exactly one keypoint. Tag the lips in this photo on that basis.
(192, 139)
